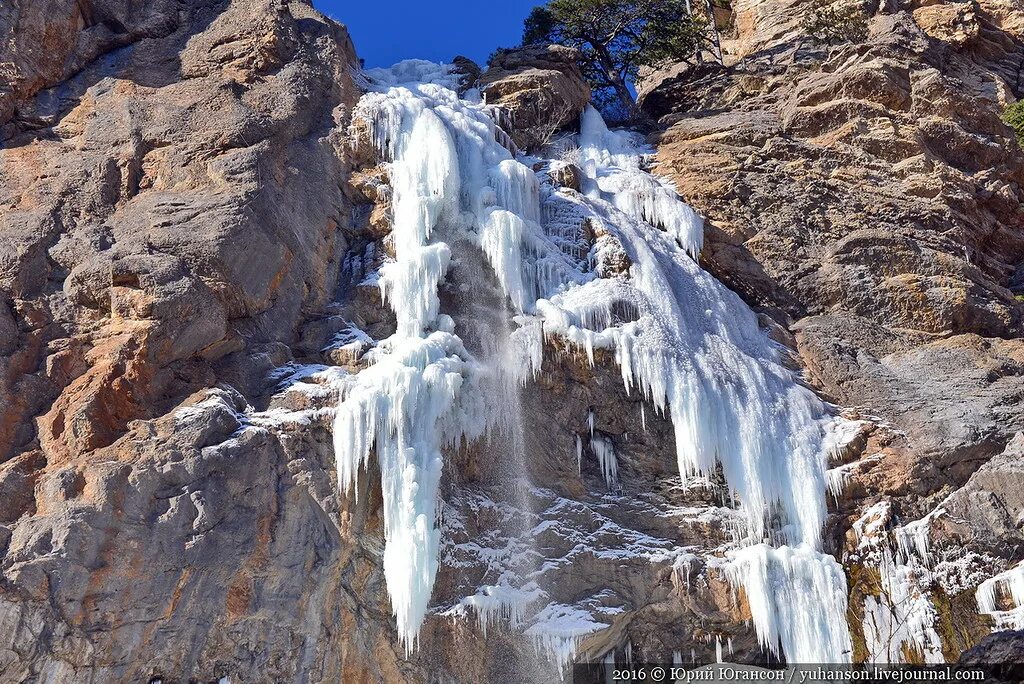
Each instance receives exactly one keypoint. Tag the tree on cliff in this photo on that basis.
(617, 37)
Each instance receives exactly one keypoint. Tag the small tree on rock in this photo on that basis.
(1013, 115)
(617, 37)
(828, 22)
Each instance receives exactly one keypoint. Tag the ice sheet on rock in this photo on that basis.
(682, 566)
(912, 538)
(573, 533)
(613, 161)
(839, 477)
(215, 400)
(901, 617)
(414, 72)
(495, 603)
(695, 351)
(558, 630)
(1010, 586)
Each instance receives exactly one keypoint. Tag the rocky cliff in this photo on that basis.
(190, 206)
(173, 187)
(867, 198)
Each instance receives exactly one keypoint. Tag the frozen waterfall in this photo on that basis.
(681, 339)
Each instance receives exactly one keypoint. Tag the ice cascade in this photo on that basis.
(681, 339)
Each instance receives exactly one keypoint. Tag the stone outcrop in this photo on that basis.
(173, 194)
(539, 88)
(47, 43)
(192, 213)
(987, 511)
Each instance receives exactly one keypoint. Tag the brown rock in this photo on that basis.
(868, 198)
(953, 23)
(566, 175)
(540, 90)
(191, 221)
(469, 73)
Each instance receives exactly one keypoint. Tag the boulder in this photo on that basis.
(468, 71)
(989, 510)
(539, 89)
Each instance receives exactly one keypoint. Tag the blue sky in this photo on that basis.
(387, 31)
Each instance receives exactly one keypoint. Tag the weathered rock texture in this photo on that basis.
(869, 198)
(171, 196)
(539, 87)
(187, 210)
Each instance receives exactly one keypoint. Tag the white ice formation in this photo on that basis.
(683, 341)
(1011, 585)
(901, 619)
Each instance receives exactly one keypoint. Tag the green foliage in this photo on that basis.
(827, 23)
(617, 37)
(1013, 115)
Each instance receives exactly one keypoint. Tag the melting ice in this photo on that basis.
(681, 339)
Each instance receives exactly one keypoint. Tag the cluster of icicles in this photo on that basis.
(691, 348)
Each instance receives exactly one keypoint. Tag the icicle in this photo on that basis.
(797, 600)
(397, 404)
(681, 565)
(605, 452)
(912, 538)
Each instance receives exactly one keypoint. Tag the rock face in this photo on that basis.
(540, 89)
(869, 198)
(172, 197)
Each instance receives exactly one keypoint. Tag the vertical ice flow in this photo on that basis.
(398, 406)
(1009, 584)
(681, 339)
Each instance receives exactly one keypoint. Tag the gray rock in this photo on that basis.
(991, 504)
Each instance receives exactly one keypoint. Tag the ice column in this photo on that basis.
(399, 404)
